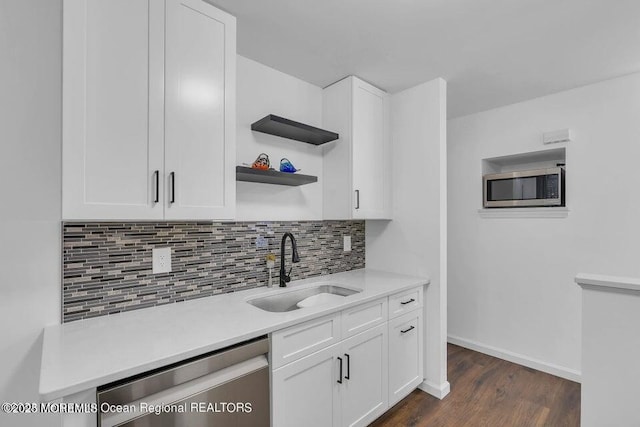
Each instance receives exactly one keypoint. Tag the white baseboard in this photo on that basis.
(549, 368)
(439, 391)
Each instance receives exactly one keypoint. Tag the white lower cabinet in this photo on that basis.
(305, 392)
(364, 384)
(405, 355)
(342, 385)
(357, 376)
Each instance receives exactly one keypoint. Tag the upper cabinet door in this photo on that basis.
(370, 151)
(112, 109)
(356, 167)
(199, 111)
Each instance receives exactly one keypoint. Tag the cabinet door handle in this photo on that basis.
(340, 379)
(407, 330)
(357, 199)
(156, 175)
(172, 176)
(347, 375)
(407, 302)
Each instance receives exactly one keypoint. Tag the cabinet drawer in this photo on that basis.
(404, 302)
(301, 340)
(363, 317)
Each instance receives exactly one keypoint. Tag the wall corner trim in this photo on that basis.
(439, 391)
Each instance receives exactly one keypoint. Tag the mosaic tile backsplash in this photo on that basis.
(107, 266)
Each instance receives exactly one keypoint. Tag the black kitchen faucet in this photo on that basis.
(284, 276)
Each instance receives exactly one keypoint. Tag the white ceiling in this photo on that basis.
(491, 52)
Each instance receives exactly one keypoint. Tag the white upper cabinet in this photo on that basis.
(356, 167)
(148, 110)
(112, 143)
(199, 114)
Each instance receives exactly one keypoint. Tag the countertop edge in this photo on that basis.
(608, 282)
(57, 393)
(52, 392)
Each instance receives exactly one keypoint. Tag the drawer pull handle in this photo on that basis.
(156, 176)
(347, 375)
(172, 175)
(340, 379)
(407, 330)
(407, 302)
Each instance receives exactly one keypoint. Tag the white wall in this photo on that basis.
(261, 91)
(30, 127)
(511, 287)
(414, 242)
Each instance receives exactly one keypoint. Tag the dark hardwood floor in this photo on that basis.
(486, 391)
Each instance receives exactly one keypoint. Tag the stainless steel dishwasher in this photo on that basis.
(229, 387)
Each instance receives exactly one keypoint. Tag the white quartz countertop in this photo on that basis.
(84, 354)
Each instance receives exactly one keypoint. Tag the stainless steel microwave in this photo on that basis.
(539, 187)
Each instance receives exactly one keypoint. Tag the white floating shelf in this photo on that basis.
(558, 212)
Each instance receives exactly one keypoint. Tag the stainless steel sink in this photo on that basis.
(288, 300)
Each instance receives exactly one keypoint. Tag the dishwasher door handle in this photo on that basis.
(185, 390)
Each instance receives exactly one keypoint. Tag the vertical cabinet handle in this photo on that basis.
(172, 176)
(357, 199)
(347, 375)
(340, 379)
(156, 176)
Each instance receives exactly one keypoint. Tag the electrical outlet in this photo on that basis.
(346, 243)
(161, 258)
(261, 242)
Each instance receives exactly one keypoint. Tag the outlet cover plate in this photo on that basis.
(261, 242)
(161, 260)
(347, 243)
